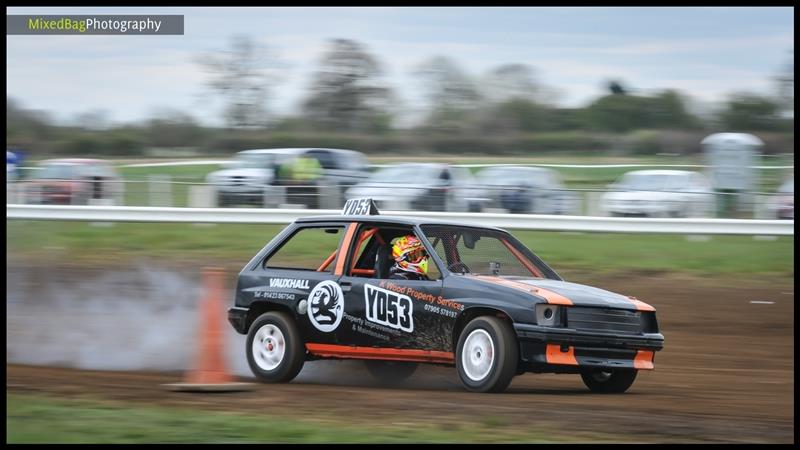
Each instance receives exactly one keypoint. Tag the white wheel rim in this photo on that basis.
(269, 346)
(477, 356)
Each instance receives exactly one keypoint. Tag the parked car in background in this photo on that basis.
(75, 181)
(253, 174)
(784, 201)
(417, 186)
(660, 193)
(522, 189)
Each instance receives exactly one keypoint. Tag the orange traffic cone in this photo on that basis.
(210, 371)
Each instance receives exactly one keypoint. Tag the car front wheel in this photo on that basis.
(275, 351)
(487, 355)
(609, 381)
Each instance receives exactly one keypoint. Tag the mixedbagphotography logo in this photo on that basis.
(97, 24)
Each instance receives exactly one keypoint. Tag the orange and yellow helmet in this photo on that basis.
(410, 255)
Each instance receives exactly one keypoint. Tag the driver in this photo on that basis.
(410, 259)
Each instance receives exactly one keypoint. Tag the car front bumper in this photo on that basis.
(547, 349)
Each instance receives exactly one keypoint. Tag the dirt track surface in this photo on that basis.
(726, 375)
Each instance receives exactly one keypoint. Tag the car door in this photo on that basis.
(300, 276)
(392, 318)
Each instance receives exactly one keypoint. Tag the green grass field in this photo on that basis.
(233, 245)
(37, 418)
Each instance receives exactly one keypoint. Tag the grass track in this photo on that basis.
(44, 242)
(37, 418)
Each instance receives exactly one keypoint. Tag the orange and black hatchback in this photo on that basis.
(324, 288)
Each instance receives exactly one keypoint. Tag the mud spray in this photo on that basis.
(143, 318)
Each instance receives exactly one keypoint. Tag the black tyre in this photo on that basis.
(390, 371)
(612, 381)
(275, 350)
(487, 355)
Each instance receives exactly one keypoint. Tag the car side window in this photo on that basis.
(309, 248)
(326, 159)
(373, 257)
(461, 176)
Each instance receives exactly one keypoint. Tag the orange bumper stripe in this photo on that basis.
(395, 354)
(550, 296)
(554, 355)
(643, 359)
(640, 305)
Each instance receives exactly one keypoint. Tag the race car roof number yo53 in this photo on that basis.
(360, 207)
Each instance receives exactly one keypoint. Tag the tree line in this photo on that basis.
(347, 104)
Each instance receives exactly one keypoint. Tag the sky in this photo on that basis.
(707, 53)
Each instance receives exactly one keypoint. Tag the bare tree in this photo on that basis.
(240, 75)
(95, 119)
(345, 93)
(448, 86)
(511, 82)
(452, 94)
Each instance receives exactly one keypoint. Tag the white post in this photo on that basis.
(13, 192)
(274, 196)
(329, 196)
(101, 202)
(160, 190)
(201, 196)
(593, 203)
(761, 209)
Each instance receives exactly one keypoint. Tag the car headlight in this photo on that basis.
(548, 315)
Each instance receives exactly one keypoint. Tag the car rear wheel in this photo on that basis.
(487, 355)
(391, 371)
(275, 351)
(609, 381)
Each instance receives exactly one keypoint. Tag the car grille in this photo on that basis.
(610, 320)
(237, 180)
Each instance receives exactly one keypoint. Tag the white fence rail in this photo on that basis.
(515, 221)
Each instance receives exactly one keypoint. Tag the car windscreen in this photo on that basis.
(510, 177)
(405, 174)
(252, 161)
(651, 182)
(480, 251)
(57, 171)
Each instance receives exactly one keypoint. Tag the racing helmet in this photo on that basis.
(410, 255)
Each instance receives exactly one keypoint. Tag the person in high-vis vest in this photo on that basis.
(306, 168)
(304, 174)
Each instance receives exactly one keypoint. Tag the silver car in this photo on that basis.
(253, 175)
(76, 181)
(659, 193)
(416, 186)
(522, 189)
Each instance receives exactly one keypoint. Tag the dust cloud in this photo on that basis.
(145, 318)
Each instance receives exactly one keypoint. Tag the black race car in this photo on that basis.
(323, 289)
